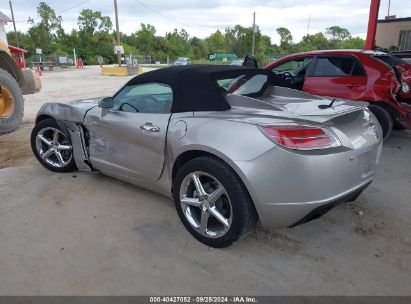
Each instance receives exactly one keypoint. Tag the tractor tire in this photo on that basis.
(32, 82)
(11, 103)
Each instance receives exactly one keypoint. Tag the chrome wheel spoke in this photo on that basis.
(191, 201)
(55, 136)
(213, 197)
(199, 187)
(64, 148)
(47, 154)
(44, 140)
(60, 158)
(216, 213)
(204, 222)
(206, 204)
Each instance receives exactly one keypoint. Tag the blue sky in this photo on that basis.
(200, 18)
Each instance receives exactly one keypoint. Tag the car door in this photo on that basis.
(336, 76)
(128, 139)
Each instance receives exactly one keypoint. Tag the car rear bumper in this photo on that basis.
(324, 208)
(289, 189)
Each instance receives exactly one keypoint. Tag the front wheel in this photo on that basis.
(52, 147)
(212, 202)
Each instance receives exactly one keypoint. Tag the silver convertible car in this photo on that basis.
(227, 143)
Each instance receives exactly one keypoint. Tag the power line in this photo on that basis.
(61, 11)
(75, 6)
(167, 17)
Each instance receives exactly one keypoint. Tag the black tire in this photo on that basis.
(244, 215)
(64, 139)
(398, 126)
(384, 118)
(12, 121)
(32, 82)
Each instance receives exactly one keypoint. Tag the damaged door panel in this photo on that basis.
(118, 140)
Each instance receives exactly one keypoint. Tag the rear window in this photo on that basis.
(243, 84)
(337, 66)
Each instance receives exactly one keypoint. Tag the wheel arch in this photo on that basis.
(7, 63)
(62, 124)
(395, 114)
(43, 117)
(188, 155)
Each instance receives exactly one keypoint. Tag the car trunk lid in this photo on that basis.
(293, 104)
(354, 126)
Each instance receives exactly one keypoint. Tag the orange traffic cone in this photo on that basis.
(39, 71)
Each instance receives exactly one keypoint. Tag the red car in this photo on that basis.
(354, 75)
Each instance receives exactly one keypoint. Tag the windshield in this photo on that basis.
(181, 59)
(244, 84)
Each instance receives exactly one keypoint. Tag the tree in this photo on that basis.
(316, 41)
(198, 48)
(286, 39)
(44, 33)
(144, 39)
(177, 43)
(95, 36)
(351, 43)
(336, 34)
(216, 42)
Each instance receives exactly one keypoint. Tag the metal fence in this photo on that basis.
(134, 60)
(52, 61)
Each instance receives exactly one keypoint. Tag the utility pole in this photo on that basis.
(118, 32)
(14, 25)
(389, 6)
(253, 49)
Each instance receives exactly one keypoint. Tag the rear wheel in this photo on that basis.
(11, 103)
(384, 118)
(398, 126)
(52, 147)
(212, 202)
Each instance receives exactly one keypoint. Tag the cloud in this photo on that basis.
(201, 18)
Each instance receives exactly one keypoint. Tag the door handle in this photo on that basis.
(148, 126)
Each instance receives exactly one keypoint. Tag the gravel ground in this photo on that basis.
(87, 234)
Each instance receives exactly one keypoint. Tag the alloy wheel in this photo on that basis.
(206, 204)
(53, 147)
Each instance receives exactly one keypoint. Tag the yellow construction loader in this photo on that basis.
(14, 82)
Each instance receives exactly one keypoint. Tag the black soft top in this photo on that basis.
(195, 87)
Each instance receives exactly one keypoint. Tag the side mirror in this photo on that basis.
(250, 61)
(106, 103)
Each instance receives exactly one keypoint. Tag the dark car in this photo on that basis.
(350, 74)
(404, 55)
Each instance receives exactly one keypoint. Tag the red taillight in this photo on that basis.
(300, 137)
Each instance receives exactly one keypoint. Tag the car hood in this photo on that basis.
(292, 104)
(72, 111)
(85, 103)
